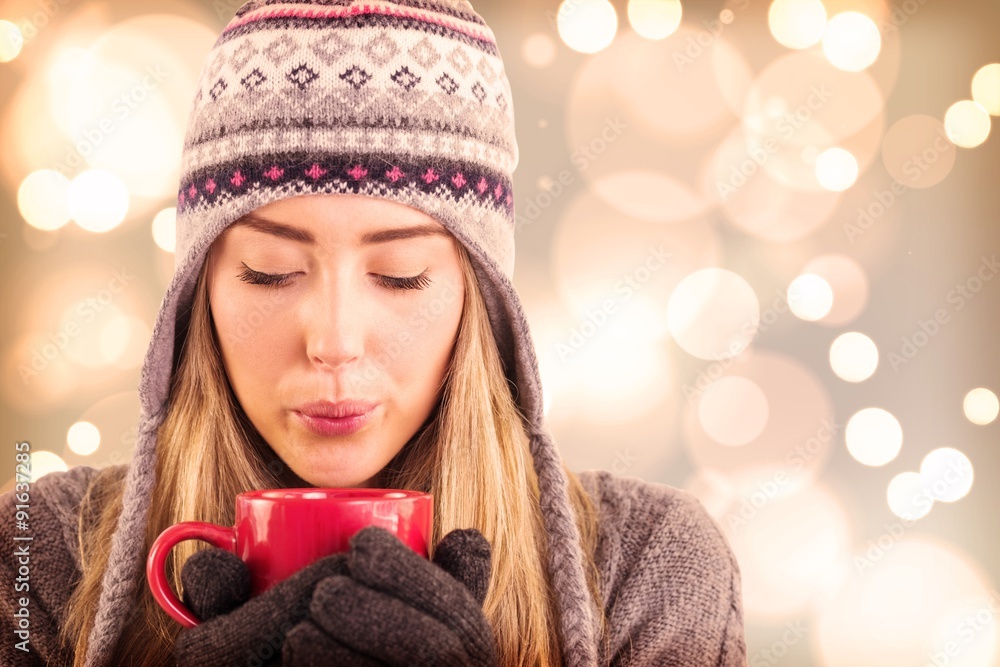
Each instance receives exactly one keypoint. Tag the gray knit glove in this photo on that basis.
(236, 630)
(398, 609)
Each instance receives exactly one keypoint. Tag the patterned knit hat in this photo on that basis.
(405, 100)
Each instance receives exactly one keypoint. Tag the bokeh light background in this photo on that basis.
(757, 243)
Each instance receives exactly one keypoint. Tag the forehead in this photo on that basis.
(367, 221)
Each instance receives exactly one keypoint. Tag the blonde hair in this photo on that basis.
(472, 454)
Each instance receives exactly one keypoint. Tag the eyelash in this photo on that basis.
(271, 280)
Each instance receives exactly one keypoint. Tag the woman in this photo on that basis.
(324, 134)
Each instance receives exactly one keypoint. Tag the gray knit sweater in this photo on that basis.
(670, 585)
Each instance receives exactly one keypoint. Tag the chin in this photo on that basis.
(339, 482)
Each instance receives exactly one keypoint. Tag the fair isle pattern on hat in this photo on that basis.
(404, 100)
(354, 176)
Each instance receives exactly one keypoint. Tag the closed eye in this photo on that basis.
(415, 282)
(248, 275)
(275, 280)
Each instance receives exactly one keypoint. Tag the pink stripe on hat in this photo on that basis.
(386, 10)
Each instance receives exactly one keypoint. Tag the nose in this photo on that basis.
(334, 323)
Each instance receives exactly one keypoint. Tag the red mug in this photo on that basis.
(280, 531)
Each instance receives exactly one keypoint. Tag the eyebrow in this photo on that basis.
(258, 223)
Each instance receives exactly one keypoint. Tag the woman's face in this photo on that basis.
(363, 304)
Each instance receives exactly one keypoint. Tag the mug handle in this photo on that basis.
(224, 538)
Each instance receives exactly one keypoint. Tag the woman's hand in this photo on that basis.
(236, 630)
(396, 608)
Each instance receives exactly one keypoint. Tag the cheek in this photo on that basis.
(247, 323)
(433, 326)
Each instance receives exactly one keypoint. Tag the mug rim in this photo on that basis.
(338, 494)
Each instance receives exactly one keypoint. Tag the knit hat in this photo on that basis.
(405, 100)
